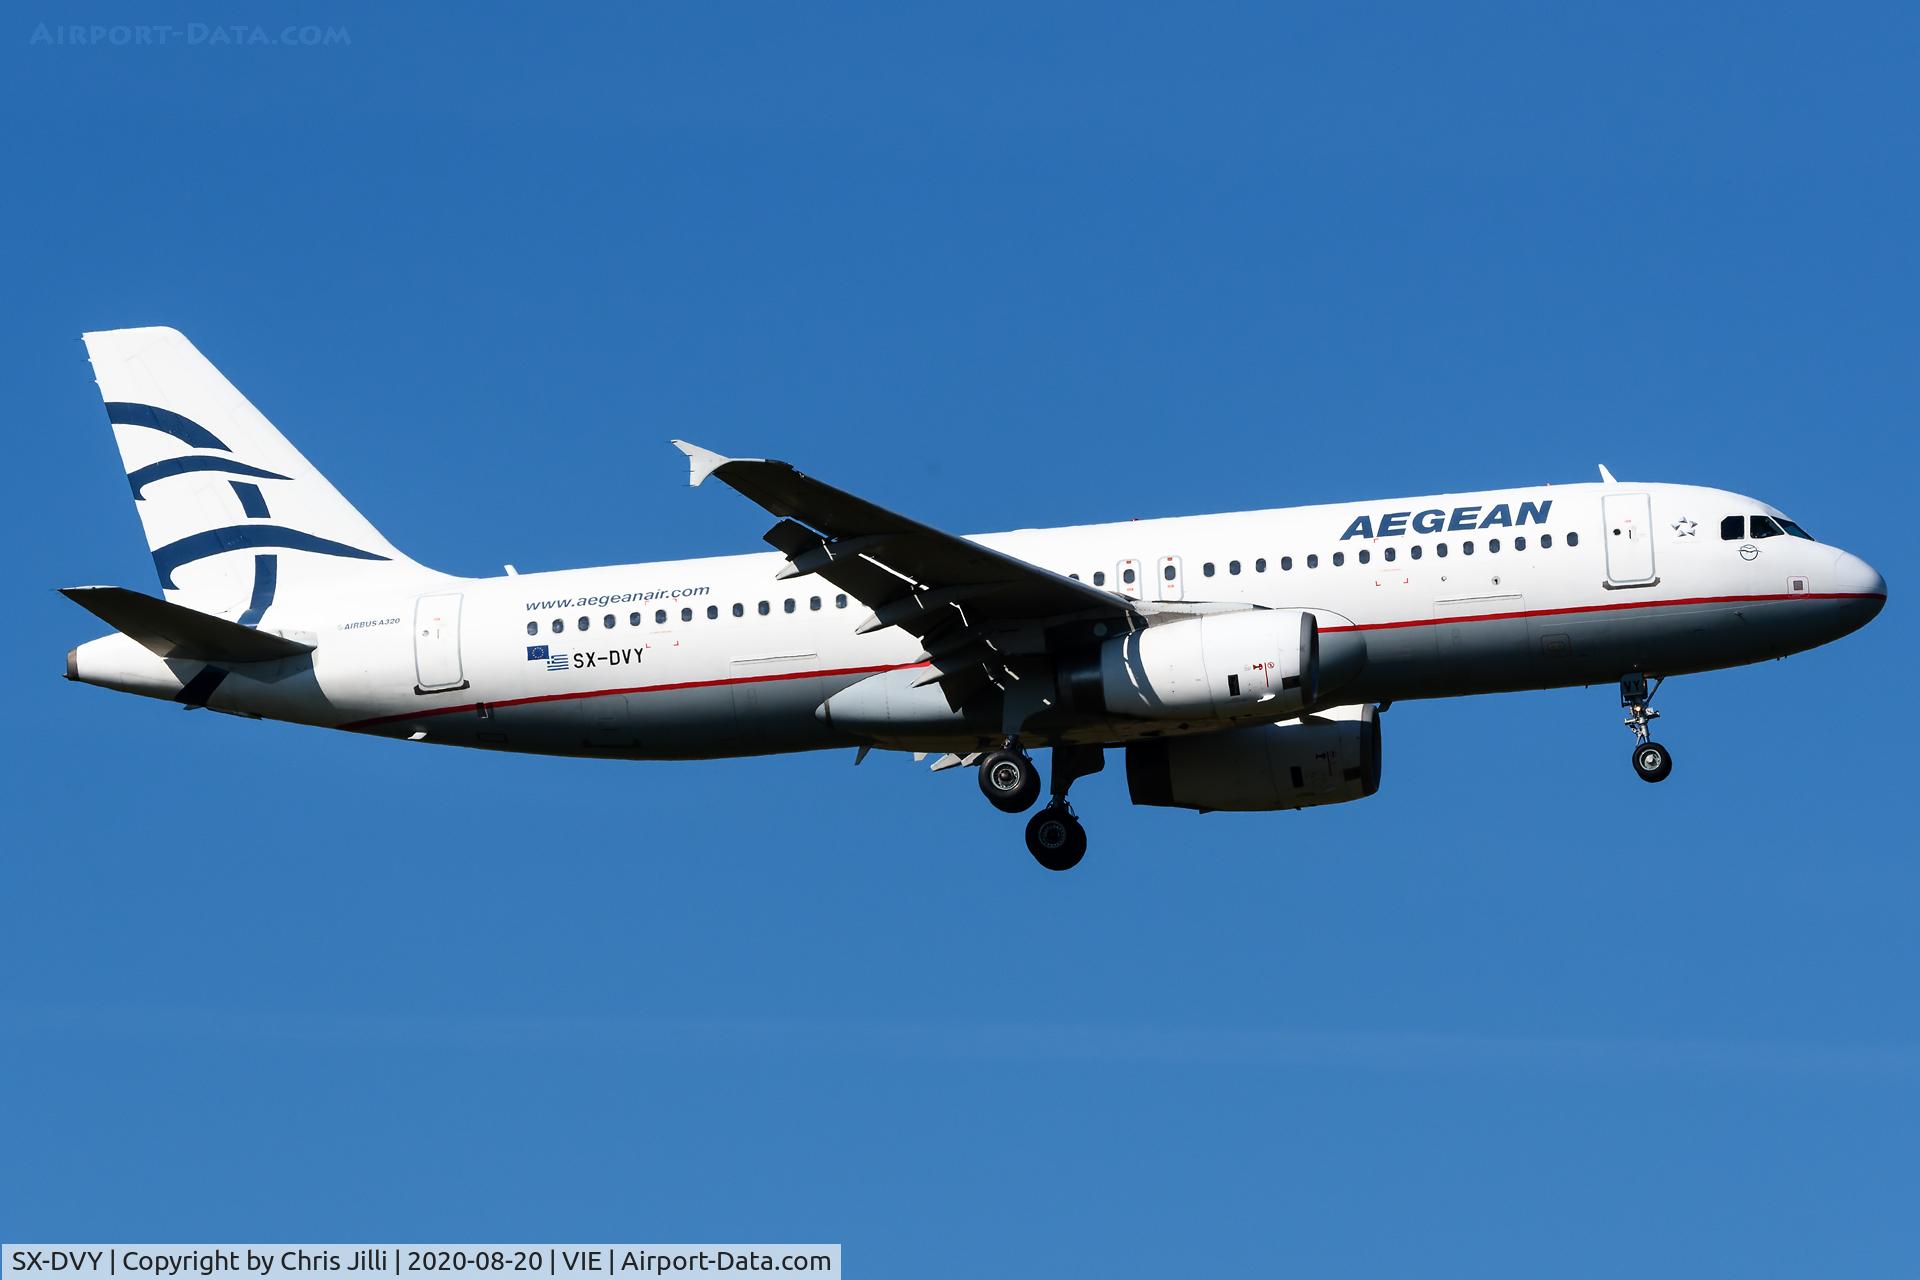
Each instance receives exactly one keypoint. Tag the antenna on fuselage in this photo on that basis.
(1607, 475)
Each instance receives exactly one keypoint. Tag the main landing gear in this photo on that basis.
(1651, 761)
(1055, 837)
(1009, 780)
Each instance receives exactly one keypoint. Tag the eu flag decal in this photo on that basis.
(536, 653)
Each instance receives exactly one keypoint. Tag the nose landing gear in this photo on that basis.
(1651, 761)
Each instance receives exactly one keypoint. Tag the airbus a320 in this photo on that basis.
(1236, 661)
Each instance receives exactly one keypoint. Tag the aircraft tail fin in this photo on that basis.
(235, 516)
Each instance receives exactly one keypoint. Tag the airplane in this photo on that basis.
(1237, 661)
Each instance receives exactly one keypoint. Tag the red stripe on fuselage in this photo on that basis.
(902, 666)
(1448, 620)
(643, 688)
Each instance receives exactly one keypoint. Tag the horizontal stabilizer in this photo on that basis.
(175, 631)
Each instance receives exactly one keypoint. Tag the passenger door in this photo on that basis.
(1629, 533)
(436, 644)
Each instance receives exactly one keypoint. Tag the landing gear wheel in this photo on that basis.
(1652, 762)
(1010, 781)
(1056, 839)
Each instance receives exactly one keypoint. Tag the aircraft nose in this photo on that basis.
(1861, 583)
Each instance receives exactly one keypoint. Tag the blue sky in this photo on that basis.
(998, 266)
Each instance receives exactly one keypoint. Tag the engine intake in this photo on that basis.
(1330, 757)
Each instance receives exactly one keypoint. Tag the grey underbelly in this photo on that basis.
(1503, 654)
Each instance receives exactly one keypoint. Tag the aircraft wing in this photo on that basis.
(966, 602)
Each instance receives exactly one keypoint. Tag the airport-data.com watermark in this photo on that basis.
(187, 35)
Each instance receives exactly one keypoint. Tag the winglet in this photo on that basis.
(701, 463)
(1605, 475)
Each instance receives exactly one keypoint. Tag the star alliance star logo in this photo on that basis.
(1684, 527)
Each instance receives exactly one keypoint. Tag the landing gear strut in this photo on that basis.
(1651, 761)
(1055, 837)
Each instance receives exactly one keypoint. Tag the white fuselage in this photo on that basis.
(1453, 594)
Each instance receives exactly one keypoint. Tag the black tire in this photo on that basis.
(1056, 839)
(1009, 780)
(1652, 762)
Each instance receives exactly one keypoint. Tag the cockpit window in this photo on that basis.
(1795, 530)
(1733, 528)
(1764, 527)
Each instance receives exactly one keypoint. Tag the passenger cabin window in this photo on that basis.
(1391, 555)
(1520, 543)
(1100, 578)
(840, 602)
(1733, 528)
(1260, 566)
(1313, 561)
(533, 628)
(1233, 567)
(1493, 546)
(1546, 542)
(1365, 556)
(1414, 551)
(585, 623)
(739, 611)
(1286, 564)
(660, 616)
(765, 608)
(1573, 539)
(558, 626)
(1466, 548)
(1206, 570)
(788, 604)
(713, 611)
(814, 604)
(1441, 550)
(686, 615)
(1339, 558)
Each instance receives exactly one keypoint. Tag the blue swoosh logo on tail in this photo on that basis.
(266, 579)
(126, 413)
(242, 536)
(181, 466)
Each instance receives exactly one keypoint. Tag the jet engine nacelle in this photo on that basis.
(1254, 663)
(1329, 757)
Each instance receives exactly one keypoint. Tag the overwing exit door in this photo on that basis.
(1629, 518)
(436, 644)
(1171, 586)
